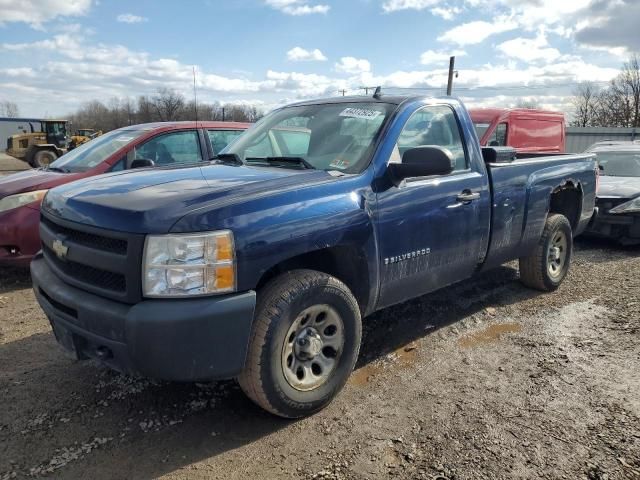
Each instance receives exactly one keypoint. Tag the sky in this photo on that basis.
(57, 54)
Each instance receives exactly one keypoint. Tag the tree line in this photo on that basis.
(165, 106)
(616, 105)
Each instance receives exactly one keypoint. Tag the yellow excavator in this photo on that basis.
(83, 135)
(40, 148)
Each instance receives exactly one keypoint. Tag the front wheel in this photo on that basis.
(43, 158)
(304, 343)
(547, 266)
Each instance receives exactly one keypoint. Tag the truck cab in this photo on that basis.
(526, 130)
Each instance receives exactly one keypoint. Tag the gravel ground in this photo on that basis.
(484, 380)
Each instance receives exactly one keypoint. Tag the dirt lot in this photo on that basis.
(485, 380)
(9, 165)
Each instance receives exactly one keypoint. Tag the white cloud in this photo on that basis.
(396, 5)
(477, 31)
(431, 57)
(530, 49)
(37, 12)
(446, 13)
(299, 54)
(297, 7)
(131, 18)
(352, 65)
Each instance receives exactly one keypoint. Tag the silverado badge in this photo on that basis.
(60, 249)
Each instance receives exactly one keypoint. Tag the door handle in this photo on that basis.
(468, 196)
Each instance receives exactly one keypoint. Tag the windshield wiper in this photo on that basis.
(297, 161)
(228, 158)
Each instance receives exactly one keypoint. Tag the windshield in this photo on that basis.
(481, 128)
(87, 156)
(619, 164)
(338, 136)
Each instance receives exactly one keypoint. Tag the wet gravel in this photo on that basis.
(483, 380)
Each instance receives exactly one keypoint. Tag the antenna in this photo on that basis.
(195, 94)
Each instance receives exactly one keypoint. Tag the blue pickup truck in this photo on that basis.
(262, 265)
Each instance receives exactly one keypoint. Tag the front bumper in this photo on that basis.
(625, 228)
(19, 236)
(193, 339)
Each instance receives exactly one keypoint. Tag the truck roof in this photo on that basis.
(390, 99)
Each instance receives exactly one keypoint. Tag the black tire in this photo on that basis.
(536, 270)
(279, 306)
(44, 158)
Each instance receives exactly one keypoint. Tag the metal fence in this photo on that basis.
(581, 138)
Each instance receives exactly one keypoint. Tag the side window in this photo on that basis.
(221, 138)
(432, 125)
(119, 165)
(499, 137)
(171, 148)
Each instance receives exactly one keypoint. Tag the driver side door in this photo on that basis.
(431, 230)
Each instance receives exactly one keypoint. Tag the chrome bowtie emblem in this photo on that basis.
(60, 249)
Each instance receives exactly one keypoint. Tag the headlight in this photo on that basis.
(20, 199)
(632, 206)
(189, 264)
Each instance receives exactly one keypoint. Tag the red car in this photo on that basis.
(526, 130)
(179, 143)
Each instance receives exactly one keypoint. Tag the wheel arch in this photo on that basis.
(566, 199)
(348, 263)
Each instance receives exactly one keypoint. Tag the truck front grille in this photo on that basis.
(100, 261)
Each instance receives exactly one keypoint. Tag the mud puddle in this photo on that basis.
(491, 334)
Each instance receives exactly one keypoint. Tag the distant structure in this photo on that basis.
(12, 126)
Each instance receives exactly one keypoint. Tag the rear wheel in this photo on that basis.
(43, 158)
(304, 343)
(548, 265)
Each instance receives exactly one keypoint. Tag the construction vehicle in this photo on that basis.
(83, 135)
(40, 148)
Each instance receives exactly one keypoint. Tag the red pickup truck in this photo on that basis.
(526, 130)
(165, 144)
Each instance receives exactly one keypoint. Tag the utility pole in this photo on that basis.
(452, 63)
(223, 114)
(343, 92)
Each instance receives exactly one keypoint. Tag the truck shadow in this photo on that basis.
(151, 429)
(593, 247)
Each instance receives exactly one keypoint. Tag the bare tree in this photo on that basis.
(145, 109)
(528, 103)
(586, 101)
(168, 104)
(9, 109)
(617, 105)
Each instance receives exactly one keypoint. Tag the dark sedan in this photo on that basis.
(618, 199)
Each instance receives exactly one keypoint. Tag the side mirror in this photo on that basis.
(423, 162)
(142, 163)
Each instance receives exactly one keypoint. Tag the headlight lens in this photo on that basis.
(632, 206)
(20, 199)
(190, 264)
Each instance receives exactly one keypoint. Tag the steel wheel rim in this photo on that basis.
(45, 160)
(312, 347)
(557, 254)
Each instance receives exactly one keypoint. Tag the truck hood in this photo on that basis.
(621, 187)
(152, 201)
(31, 180)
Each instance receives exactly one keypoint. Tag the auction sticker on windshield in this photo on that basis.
(360, 113)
